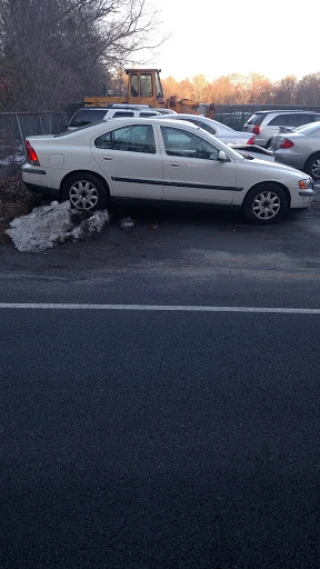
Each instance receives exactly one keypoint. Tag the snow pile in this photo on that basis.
(48, 225)
(126, 223)
(91, 227)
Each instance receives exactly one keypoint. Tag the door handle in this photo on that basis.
(107, 157)
(175, 165)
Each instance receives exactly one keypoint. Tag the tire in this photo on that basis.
(265, 204)
(85, 191)
(313, 166)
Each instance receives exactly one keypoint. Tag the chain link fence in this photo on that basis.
(16, 127)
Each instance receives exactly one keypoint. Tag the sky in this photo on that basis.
(271, 37)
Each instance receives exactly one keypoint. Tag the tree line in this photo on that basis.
(55, 51)
(247, 89)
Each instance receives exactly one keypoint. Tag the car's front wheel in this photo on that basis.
(85, 191)
(265, 204)
(313, 166)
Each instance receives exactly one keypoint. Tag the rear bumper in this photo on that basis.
(46, 192)
(34, 178)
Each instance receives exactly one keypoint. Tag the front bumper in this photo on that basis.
(307, 193)
(302, 199)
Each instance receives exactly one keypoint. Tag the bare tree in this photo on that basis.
(58, 50)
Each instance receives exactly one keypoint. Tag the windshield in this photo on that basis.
(255, 119)
(85, 116)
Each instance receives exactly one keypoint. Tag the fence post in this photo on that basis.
(21, 135)
(41, 124)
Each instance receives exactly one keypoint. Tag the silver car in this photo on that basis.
(266, 124)
(299, 148)
(221, 131)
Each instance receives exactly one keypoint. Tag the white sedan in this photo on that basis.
(160, 160)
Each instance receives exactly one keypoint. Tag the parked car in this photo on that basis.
(266, 124)
(299, 149)
(221, 131)
(160, 160)
(89, 115)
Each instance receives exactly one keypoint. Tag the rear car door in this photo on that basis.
(130, 160)
(192, 171)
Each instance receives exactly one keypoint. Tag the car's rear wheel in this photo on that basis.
(85, 191)
(265, 204)
(313, 166)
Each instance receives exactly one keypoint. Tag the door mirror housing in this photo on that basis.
(222, 157)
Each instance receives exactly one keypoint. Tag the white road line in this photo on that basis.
(156, 308)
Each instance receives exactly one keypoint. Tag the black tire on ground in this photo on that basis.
(85, 191)
(312, 166)
(265, 204)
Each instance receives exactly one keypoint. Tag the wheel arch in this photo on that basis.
(310, 158)
(273, 183)
(84, 172)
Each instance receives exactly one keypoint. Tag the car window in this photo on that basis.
(207, 127)
(146, 114)
(256, 119)
(137, 138)
(281, 120)
(201, 124)
(134, 82)
(186, 144)
(300, 119)
(146, 85)
(123, 114)
(87, 116)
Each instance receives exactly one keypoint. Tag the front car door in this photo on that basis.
(131, 162)
(192, 171)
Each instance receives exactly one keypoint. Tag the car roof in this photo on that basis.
(283, 111)
(128, 121)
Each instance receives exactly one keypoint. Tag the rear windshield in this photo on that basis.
(255, 119)
(309, 128)
(87, 116)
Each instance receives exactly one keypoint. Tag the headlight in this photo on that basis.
(305, 184)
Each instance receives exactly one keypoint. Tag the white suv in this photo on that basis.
(88, 115)
(266, 124)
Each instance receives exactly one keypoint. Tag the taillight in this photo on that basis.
(32, 155)
(251, 140)
(256, 129)
(286, 143)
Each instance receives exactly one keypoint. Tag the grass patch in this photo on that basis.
(15, 200)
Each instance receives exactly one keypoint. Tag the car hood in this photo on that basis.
(273, 166)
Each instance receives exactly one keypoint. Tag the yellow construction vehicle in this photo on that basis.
(144, 88)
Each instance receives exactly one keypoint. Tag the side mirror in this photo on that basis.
(222, 157)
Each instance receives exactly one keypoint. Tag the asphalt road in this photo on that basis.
(154, 439)
(147, 440)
